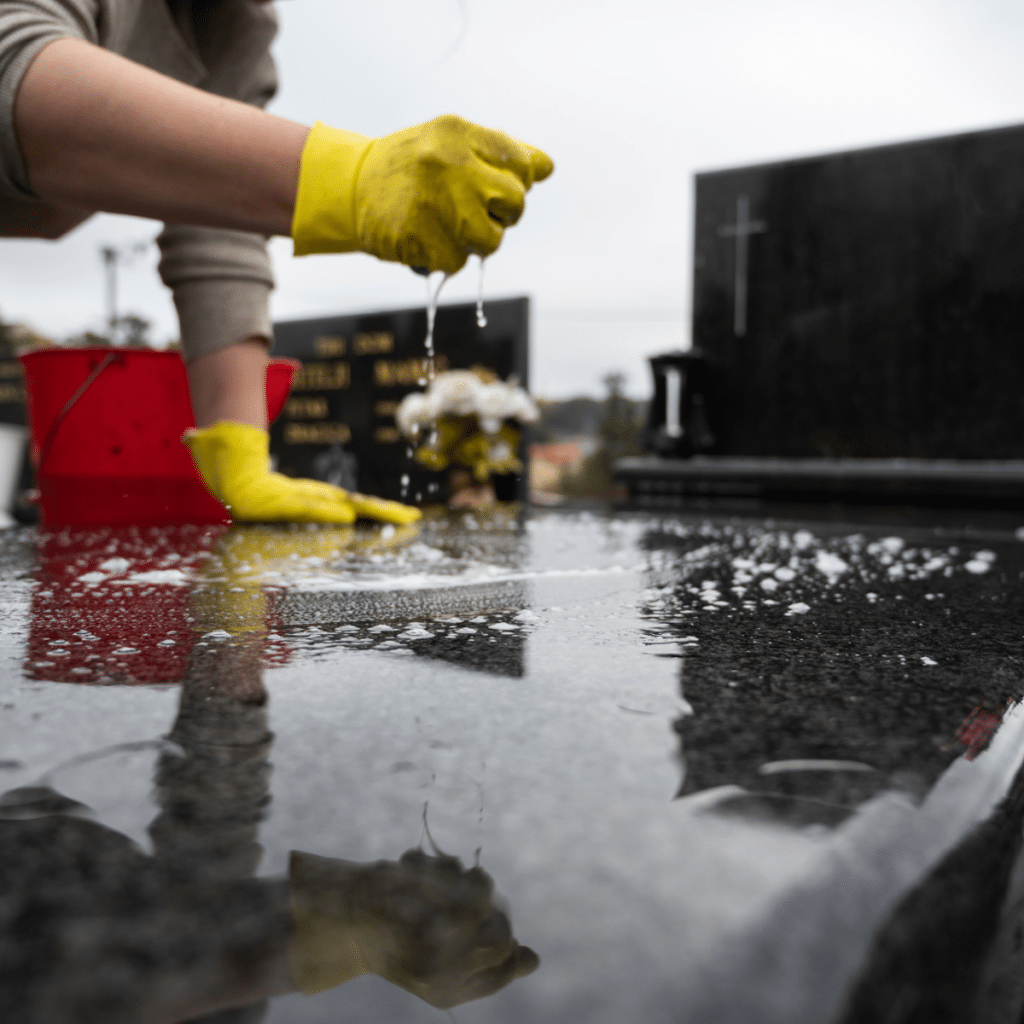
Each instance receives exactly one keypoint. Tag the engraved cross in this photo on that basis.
(741, 231)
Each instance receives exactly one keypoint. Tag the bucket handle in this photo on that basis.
(51, 434)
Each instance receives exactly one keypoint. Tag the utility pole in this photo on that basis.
(110, 256)
(114, 256)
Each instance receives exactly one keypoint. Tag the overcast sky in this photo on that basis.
(630, 98)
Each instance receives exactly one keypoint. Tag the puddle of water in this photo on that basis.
(669, 774)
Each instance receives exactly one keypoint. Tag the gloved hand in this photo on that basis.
(423, 923)
(427, 196)
(234, 461)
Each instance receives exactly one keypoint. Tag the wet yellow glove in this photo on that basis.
(427, 196)
(234, 461)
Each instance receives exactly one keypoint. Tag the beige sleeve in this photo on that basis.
(26, 26)
(221, 282)
(222, 279)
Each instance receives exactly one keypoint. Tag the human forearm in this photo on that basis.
(102, 133)
(230, 384)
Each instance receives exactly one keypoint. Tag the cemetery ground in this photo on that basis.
(718, 768)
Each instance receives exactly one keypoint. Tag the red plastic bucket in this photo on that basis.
(106, 433)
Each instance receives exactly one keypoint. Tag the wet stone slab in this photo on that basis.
(547, 768)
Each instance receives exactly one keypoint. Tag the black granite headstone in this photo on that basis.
(867, 304)
(12, 391)
(339, 422)
(12, 410)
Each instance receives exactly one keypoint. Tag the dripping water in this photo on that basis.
(481, 320)
(432, 296)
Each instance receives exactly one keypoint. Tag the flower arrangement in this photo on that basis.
(468, 418)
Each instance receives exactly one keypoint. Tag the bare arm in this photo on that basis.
(99, 132)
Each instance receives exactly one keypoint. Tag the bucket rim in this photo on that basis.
(61, 350)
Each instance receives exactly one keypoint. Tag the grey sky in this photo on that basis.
(629, 98)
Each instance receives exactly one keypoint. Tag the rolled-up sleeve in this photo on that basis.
(221, 282)
(26, 26)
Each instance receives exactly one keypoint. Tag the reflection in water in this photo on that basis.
(788, 749)
(131, 606)
(823, 646)
(423, 923)
(101, 931)
(112, 606)
(927, 962)
(977, 728)
(92, 928)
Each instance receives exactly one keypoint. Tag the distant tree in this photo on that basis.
(130, 330)
(619, 429)
(88, 338)
(134, 330)
(7, 342)
(618, 434)
(568, 419)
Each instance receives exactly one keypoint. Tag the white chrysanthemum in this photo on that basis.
(463, 393)
(412, 413)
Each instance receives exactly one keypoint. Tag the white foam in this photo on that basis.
(426, 581)
(115, 565)
(173, 577)
(463, 393)
(830, 566)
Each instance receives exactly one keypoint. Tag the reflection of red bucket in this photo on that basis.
(106, 428)
(117, 605)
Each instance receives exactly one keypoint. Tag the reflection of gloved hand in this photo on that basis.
(234, 461)
(230, 593)
(427, 196)
(421, 923)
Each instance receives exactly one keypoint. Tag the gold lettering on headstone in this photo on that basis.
(387, 435)
(11, 393)
(10, 369)
(385, 408)
(306, 409)
(373, 343)
(317, 433)
(329, 346)
(405, 373)
(322, 377)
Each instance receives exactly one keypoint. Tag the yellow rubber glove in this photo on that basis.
(427, 196)
(234, 461)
